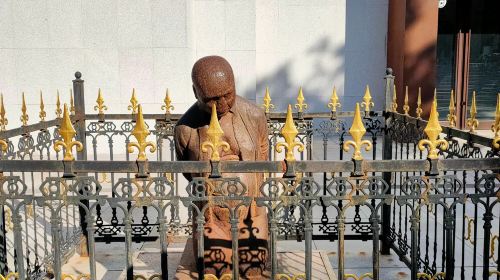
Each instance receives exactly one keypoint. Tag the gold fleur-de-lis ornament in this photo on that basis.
(58, 106)
(357, 131)
(432, 130)
(67, 132)
(394, 103)
(419, 110)
(133, 103)
(452, 118)
(167, 103)
(495, 127)
(334, 101)
(289, 132)
(141, 133)
(214, 141)
(3, 120)
(267, 102)
(472, 123)
(301, 105)
(24, 115)
(367, 101)
(406, 106)
(42, 113)
(100, 107)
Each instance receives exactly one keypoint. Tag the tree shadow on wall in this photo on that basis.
(321, 68)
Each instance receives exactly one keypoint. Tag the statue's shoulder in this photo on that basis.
(250, 108)
(189, 119)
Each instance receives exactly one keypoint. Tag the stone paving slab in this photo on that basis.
(110, 260)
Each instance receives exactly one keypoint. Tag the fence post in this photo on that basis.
(79, 99)
(3, 242)
(387, 154)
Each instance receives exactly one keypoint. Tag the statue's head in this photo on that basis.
(213, 82)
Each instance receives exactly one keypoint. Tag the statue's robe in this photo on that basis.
(246, 133)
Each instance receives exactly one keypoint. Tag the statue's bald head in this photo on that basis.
(213, 82)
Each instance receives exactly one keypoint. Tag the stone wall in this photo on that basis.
(152, 44)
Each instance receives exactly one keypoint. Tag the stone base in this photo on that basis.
(290, 263)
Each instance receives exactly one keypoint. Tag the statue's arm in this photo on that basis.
(263, 138)
(181, 140)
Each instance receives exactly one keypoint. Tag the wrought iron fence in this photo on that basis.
(396, 195)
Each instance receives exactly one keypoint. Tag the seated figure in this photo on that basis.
(245, 129)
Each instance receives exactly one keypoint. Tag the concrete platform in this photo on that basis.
(290, 263)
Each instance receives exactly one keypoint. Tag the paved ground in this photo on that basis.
(111, 260)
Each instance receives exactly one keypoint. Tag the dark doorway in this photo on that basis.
(468, 58)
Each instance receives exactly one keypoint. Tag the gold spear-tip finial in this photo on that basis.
(367, 100)
(301, 105)
(267, 101)
(3, 120)
(214, 141)
(452, 118)
(100, 107)
(472, 123)
(419, 110)
(495, 127)
(394, 104)
(133, 103)
(67, 132)
(24, 115)
(140, 133)
(71, 103)
(58, 106)
(167, 103)
(334, 101)
(42, 113)
(289, 132)
(357, 131)
(406, 106)
(432, 130)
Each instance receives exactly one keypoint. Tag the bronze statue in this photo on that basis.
(245, 129)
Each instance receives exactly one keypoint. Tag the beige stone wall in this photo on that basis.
(152, 44)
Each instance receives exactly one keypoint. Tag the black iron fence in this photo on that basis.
(436, 209)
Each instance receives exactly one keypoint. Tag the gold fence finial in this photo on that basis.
(301, 105)
(495, 127)
(406, 106)
(472, 123)
(100, 107)
(24, 115)
(140, 133)
(67, 132)
(419, 110)
(267, 101)
(289, 132)
(357, 131)
(334, 101)
(432, 130)
(71, 103)
(394, 104)
(452, 118)
(3, 120)
(58, 106)
(42, 113)
(167, 103)
(214, 141)
(133, 103)
(367, 100)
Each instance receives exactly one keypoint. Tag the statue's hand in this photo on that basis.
(230, 158)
